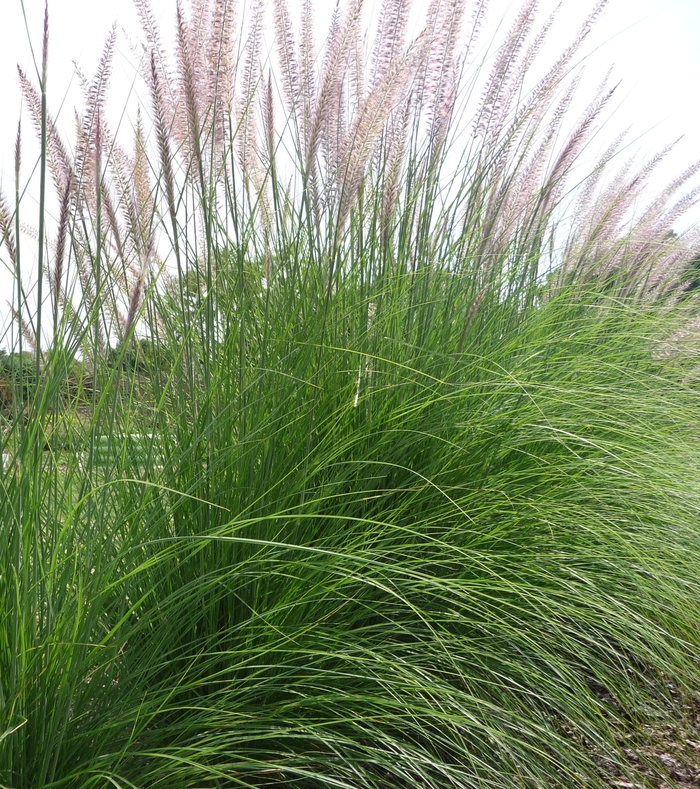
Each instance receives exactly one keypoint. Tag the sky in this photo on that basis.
(653, 46)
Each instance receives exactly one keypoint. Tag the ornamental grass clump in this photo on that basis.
(360, 445)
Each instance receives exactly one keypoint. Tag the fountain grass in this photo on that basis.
(387, 493)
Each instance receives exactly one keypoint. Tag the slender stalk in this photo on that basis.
(42, 188)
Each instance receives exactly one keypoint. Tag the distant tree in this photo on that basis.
(19, 370)
(142, 356)
(691, 278)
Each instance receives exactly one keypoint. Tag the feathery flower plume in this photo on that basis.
(143, 207)
(220, 51)
(443, 108)
(135, 301)
(677, 210)
(153, 49)
(24, 327)
(221, 66)
(587, 206)
(263, 184)
(428, 37)
(501, 88)
(286, 52)
(124, 232)
(389, 40)
(537, 102)
(247, 134)
(45, 47)
(165, 155)
(338, 49)
(520, 192)
(578, 138)
(356, 79)
(83, 171)
(528, 114)
(269, 119)
(440, 75)
(394, 159)
(56, 279)
(112, 228)
(438, 42)
(7, 232)
(59, 160)
(367, 129)
(662, 200)
(600, 242)
(307, 58)
(188, 88)
(120, 169)
(477, 20)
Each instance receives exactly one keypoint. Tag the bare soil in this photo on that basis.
(666, 757)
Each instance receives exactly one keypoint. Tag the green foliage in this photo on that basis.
(133, 356)
(374, 503)
(22, 364)
(428, 582)
(691, 277)
(18, 370)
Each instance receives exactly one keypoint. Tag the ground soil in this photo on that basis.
(666, 757)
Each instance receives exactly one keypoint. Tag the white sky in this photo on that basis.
(654, 46)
